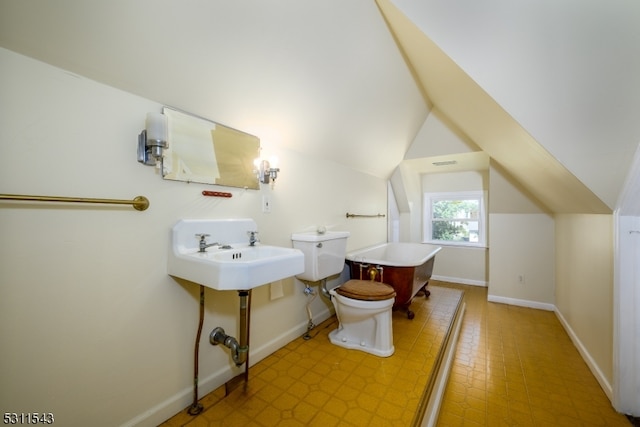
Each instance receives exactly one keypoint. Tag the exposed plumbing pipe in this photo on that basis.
(309, 293)
(218, 336)
(243, 350)
(323, 288)
(248, 326)
(196, 407)
(239, 351)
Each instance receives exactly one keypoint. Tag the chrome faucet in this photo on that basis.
(203, 242)
(253, 237)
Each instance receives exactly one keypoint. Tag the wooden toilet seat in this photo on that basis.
(366, 290)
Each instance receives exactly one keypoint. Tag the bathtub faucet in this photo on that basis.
(373, 272)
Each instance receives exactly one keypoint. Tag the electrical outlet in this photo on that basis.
(521, 279)
(266, 204)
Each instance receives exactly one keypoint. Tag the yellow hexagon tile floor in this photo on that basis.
(513, 367)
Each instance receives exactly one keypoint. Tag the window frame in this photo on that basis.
(431, 197)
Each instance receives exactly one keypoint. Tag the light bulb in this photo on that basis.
(273, 162)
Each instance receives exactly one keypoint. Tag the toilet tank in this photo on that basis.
(324, 253)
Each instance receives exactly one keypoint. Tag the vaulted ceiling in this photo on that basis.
(550, 91)
(323, 78)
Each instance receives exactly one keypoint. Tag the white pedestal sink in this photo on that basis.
(242, 267)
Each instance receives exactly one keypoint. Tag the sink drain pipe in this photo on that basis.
(239, 351)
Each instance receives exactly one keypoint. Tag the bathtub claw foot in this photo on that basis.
(423, 291)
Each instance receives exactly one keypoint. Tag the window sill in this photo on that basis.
(457, 244)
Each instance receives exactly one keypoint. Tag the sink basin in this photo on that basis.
(243, 267)
(239, 268)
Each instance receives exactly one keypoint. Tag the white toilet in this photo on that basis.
(363, 307)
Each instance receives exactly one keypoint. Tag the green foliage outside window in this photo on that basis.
(455, 220)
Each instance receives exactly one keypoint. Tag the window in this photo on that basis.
(455, 218)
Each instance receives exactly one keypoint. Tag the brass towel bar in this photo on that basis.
(350, 215)
(139, 203)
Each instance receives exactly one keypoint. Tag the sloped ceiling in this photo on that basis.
(552, 69)
(327, 78)
(323, 78)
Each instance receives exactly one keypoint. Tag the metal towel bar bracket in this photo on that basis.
(139, 203)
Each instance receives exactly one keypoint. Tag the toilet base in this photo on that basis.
(338, 338)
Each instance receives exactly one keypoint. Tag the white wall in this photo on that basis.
(522, 260)
(584, 288)
(92, 327)
(466, 265)
(521, 241)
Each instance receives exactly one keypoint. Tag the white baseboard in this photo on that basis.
(176, 403)
(460, 280)
(179, 401)
(593, 366)
(521, 302)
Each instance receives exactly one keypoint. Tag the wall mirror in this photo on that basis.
(206, 152)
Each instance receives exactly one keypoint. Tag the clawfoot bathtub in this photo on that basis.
(405, 266)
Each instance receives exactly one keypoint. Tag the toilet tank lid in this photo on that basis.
(314, 236)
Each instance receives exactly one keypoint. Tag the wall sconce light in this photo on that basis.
(153, 139)
(266, 170)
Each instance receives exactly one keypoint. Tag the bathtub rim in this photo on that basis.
(357, 255)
